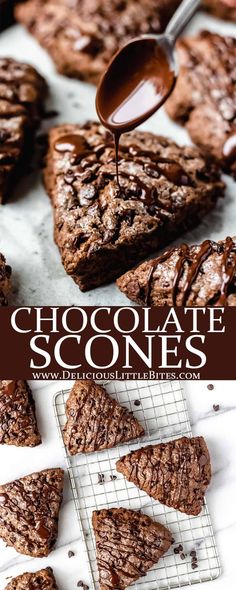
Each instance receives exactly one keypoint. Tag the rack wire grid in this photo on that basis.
(161, 408)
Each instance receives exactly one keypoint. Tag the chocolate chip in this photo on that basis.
(82, 585)
(101, 478)
(137, 402)
(178, 549)
(216, 407)
(210, 387)
(113, 477)
(50, 114)
(71, 554)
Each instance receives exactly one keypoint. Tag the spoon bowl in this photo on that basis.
(137, 82)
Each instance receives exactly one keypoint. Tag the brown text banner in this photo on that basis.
(112, 342)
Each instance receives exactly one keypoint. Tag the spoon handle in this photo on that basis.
(181, 18)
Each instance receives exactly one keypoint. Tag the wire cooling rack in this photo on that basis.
(95, 484)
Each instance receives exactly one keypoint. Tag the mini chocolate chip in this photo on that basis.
(176, 550)
(216, 407)
(113, 477)
(71, 554)
(182, 556)
(50, 114)
(193, 553)
(101, 478)
(210, 387)
(194, 566)
(82, 585)
(137, 402)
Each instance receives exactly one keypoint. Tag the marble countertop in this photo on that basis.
(219, 431)
(26, 229)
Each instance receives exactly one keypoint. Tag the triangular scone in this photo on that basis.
(176, 473)
(41, 580)
(185, 276)
(23, 91)
(29, 510)
(128, 544)
(95, 421)
(18, 425)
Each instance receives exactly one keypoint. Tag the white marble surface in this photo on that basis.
(26, 232)
(219, 430)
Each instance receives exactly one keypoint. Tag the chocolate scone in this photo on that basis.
(29, 510)
(22, 91)
(128, 544)
(221, 9)
(103, 229)
(95, 421)
(176, 473)
(189, 276)
(83, 35)
(18, 425)
(204, 98)
(41, 580)
(5, 279)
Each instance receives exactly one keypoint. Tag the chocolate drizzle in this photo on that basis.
(194, 263)
(128, 543)
(154, 165)
(29, 512)
(73, 142)
(174, 473)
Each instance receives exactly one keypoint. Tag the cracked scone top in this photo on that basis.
(102, 230)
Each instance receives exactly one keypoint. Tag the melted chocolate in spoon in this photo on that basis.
(137, 82)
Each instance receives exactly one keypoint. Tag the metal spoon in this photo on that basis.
(141, 75)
